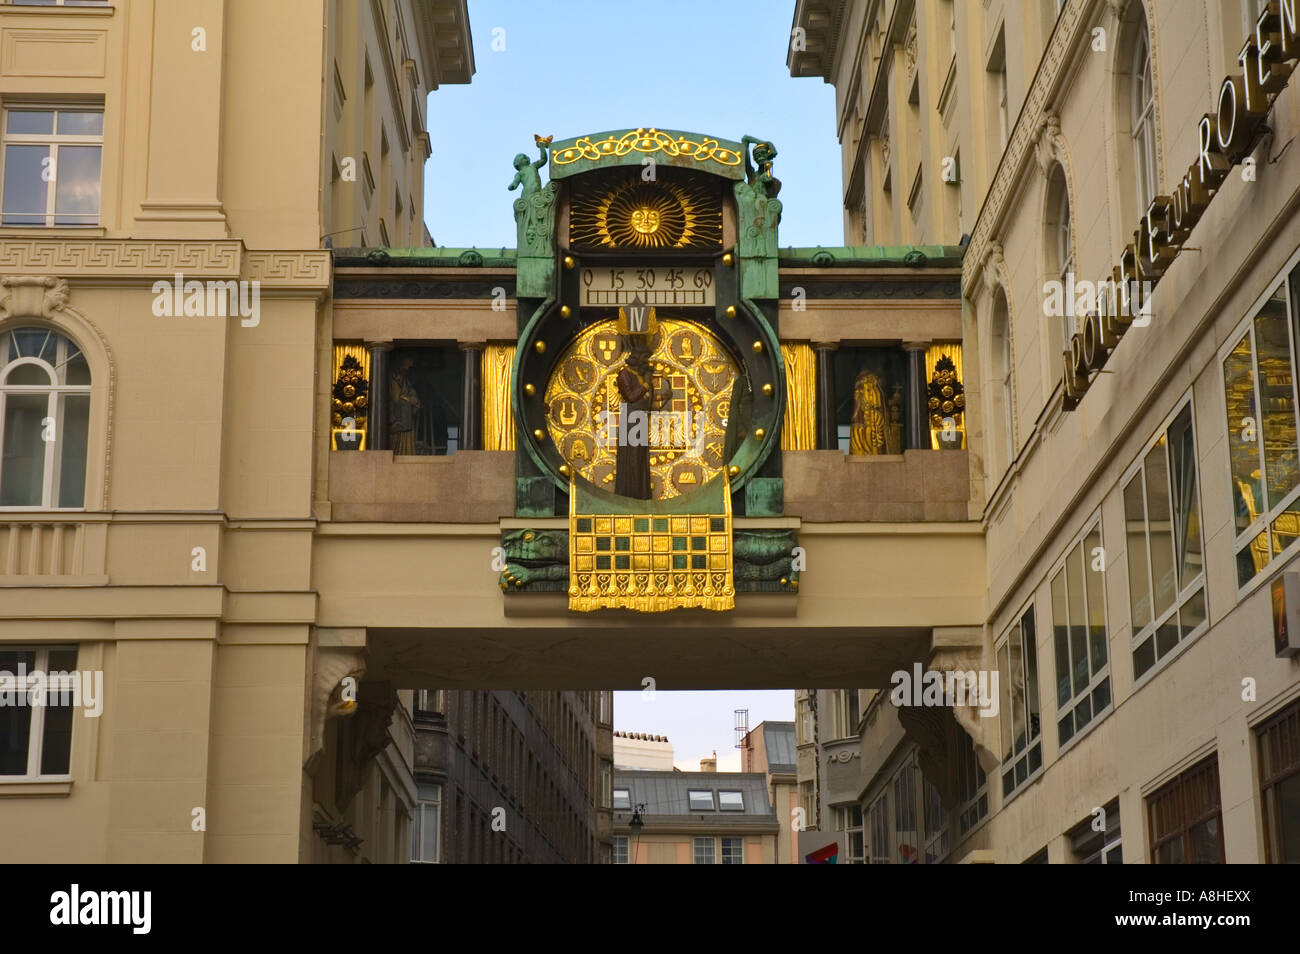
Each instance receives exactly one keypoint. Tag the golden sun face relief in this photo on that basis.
(671, 212)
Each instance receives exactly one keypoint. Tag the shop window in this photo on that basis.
(1022, 749)
(1096, 841)
(1163, 529)
(1079, 636)
(1186, 819)
(1279, 779)
(1260, 404)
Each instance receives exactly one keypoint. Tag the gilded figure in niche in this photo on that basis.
(867, 435)
(404, 406)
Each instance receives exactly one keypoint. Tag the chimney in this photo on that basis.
(709, 765)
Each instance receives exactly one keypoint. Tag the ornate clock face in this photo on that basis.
(692, 379)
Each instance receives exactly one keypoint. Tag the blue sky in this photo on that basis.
(572, 67)
(697, 723)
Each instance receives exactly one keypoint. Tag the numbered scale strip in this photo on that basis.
(654, 286)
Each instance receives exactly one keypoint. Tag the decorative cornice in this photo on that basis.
(128, 260)
(1010, 173)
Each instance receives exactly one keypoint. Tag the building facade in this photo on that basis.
(701, 818)
(769, 748)
(511, 777)
(640, 750)
(1138, 521)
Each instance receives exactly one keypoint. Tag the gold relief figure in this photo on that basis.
(867, 435)
(894, 428)
(404, 404)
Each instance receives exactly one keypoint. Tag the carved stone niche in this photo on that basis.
(937, 730)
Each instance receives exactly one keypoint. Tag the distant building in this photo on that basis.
(769, 748)
(694, 818)
(638, 750)
(534, 755)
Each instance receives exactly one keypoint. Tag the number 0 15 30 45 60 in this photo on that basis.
(654, 286)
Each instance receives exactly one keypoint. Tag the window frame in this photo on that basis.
(620, 851)
(1092, 526)
(690, 799)
(36, 726)
(1183, 594)
(55, 406)
(738, 845)
(1142, 117)
(420, 818)
(1284, 726)
(703, 841)
(1005, 709)
(614, 800)
(1289, 277)
(731, 791)
(1178, 783)
(53, 140)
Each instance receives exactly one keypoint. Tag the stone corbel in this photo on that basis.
(32, 295)
(1047, 146)
(333, 664)
(960, 649)
(937, 730)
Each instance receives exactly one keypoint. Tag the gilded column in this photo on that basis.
(471, 422)
(827, 435)
(378, 436)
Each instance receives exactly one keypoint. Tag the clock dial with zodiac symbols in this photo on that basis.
(692, 375)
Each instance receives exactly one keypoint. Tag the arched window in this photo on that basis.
(1143, 116)
(1004, 381)
(44, 419)
(1060, 255)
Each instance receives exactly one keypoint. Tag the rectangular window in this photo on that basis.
(606, 783)
(1079, 636)
(972, 791)
(1096, 840)
(1279, 779)
(731, 801)
(51, 166)
(1260, 404)
(881, 852)
(936, 826)
(700, 801)
(620, 850)
(1163, 535)
(1186, 821)
(622, 799)
(1022, 750)
(905, 816)
(806, 803)
(425, 826)
(704, 851)
(803, 722)
(733, 851)
(848, 819)
(36, 725)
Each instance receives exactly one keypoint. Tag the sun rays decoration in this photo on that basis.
(625, 211)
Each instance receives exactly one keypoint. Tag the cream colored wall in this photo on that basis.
(759, 849)
(203, 432)
(1071, 464)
